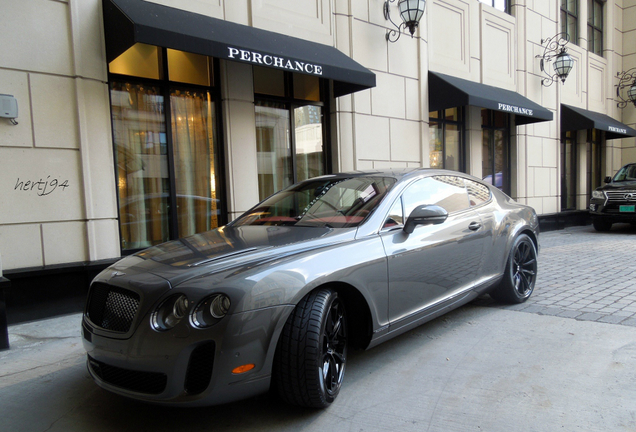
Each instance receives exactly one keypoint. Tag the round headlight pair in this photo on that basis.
(170, 312)
(210, 310)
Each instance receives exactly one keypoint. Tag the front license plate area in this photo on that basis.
(627, 209)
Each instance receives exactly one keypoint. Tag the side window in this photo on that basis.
(477, 193)
(448, 192)
(395, 216)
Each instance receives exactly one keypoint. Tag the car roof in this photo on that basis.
(397, 173)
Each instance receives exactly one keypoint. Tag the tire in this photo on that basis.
(601, 225)
(312, 351)
(521, 272)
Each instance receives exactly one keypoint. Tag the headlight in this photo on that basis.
(598, 194)
(210, 311)
(169, 313)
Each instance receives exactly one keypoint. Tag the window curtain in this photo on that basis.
(193, 127)
(139, 134)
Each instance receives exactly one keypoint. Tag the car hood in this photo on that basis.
(226, 247)
(618, 186)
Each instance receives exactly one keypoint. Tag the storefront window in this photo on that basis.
(165, 149)
(446, 128)
(287, 154)
(595, 140)
(495, 149)
(568, 171)
(273, 148)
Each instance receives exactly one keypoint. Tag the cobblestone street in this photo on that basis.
(586, 275)
(564, 360)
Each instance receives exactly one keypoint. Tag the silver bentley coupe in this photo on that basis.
(277, 298)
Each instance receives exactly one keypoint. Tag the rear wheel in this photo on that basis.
(312, 351)
(601, 225)
(520, 274)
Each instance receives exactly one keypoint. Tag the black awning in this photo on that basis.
(127, 22)
(446, 91)
(573, 119)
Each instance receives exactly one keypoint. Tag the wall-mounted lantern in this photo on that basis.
(411, 12)
(563, 62)
(627, 79)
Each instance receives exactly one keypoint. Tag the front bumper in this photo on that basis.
(186, 365)
(611, 211)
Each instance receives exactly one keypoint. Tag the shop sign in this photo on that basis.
(618, 130)
(516, 110)
(274, 61)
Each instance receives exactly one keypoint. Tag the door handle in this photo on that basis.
(474, 226)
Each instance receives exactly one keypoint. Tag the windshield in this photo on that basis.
(330, 202)
(627, 173)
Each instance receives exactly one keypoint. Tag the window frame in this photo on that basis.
(290, 103)
(595, 158)
(491, 3)
(592, 28)
(166, 86)
(566, 194)
(506, 184)
(565, 14)
(461, 124)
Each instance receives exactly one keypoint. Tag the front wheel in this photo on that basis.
(601, 225)
(312, 351)
(520, 274)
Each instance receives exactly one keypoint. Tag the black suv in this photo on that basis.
(616, 201)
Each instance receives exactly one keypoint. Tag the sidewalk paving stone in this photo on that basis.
(581, 276)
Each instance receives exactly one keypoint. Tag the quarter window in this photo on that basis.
(477, 193)
(448, 192)
(395, 216)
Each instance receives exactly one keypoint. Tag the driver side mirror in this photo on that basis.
(608, 180)
(425, 215)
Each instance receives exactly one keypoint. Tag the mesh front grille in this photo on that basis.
(141, 382)
(200, 369)
(112, 308)
(620, 196)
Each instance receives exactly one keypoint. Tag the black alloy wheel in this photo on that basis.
(311, 355)
(334, 349)
(601, 225)
(521, 272)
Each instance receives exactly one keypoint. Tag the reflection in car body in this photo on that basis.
(276, 298)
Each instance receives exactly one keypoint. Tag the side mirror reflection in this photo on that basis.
(425, 215)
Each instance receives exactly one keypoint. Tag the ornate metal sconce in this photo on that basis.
(411, 12)
(626, 79)
(563, 62)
